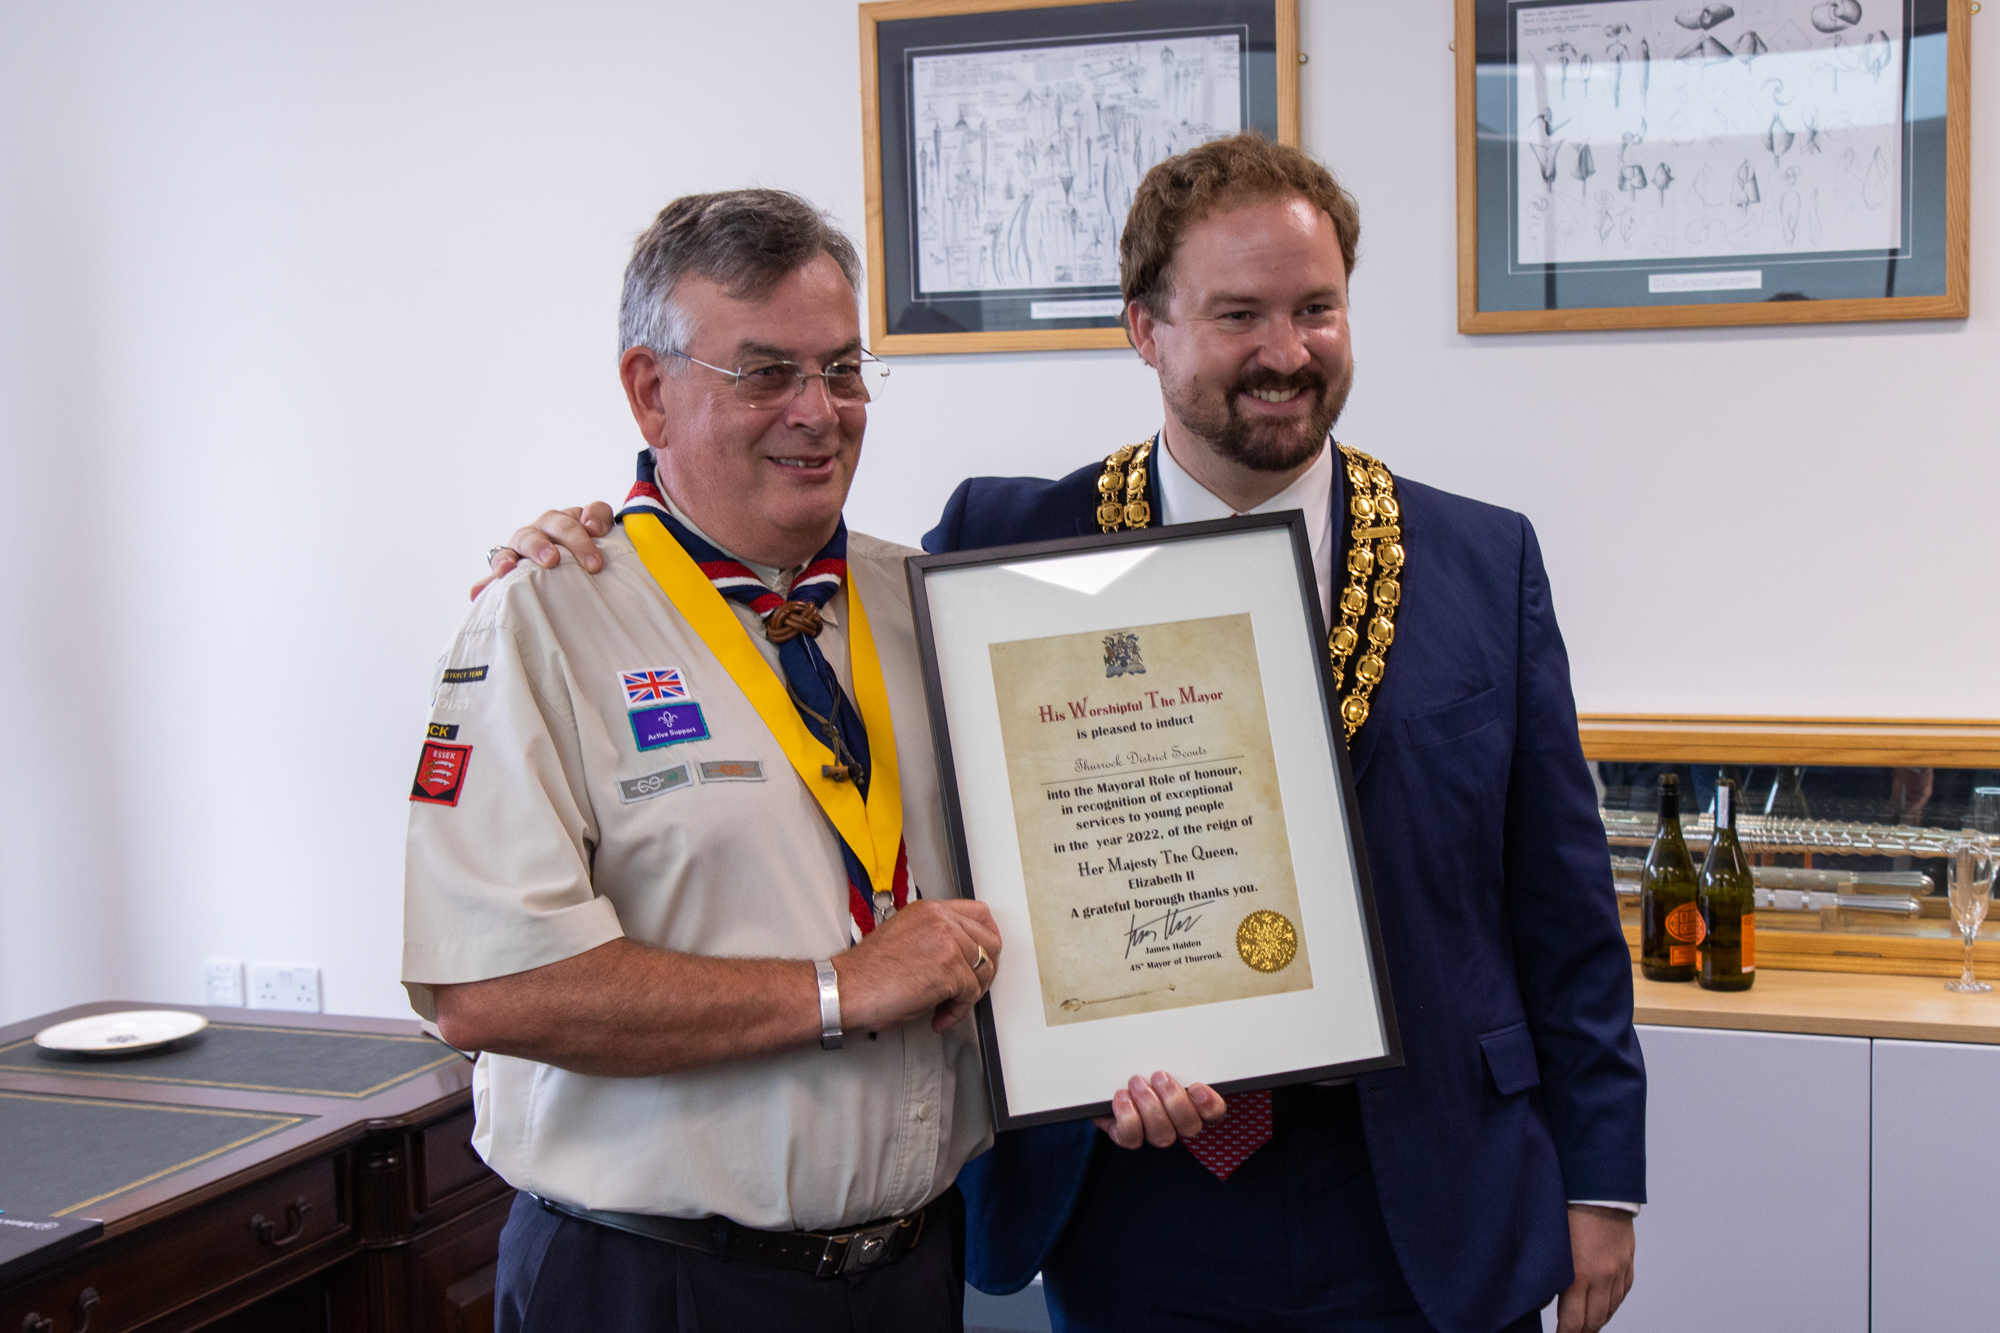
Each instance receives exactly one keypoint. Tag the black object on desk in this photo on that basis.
(28, 1241)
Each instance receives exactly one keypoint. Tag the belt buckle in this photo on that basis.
(859, 1250)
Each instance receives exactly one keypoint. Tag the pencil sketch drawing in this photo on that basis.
(1784, 118)
(1024, 161)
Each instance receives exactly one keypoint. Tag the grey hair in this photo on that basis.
(746, 241)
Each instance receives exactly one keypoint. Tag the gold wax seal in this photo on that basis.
(1267, 941)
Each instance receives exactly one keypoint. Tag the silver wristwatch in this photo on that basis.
(829, 1004)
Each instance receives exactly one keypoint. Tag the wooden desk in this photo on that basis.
(335, 1186)
(1832, 1004)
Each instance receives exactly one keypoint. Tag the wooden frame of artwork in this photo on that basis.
(1896, 742)
(1669, 163)
(970, 246)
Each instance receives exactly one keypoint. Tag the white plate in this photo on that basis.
(132, 1030)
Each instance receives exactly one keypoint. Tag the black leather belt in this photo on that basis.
(822, 1253)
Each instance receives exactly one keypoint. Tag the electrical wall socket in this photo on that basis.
(284, 986)
(224, 979)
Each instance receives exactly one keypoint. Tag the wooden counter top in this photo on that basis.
(1827, 1003)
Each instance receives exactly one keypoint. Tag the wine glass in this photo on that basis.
(1984, 815)
(1969, 877)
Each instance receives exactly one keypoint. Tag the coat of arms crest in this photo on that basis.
(1121, 656)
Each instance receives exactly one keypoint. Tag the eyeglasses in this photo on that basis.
(772, 383)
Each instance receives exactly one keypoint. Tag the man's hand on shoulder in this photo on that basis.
(933, 959)
(1161, 1112)
(1601, 1245)
(544, 541)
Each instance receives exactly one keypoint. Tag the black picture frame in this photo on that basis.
(921, 569)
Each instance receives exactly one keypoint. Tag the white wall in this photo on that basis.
(302, 308)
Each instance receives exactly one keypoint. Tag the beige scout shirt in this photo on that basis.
(566, 835)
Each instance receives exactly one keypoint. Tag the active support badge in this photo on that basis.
(668, 725)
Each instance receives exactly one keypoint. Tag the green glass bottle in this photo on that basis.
(1727, 897)
(1669, 921)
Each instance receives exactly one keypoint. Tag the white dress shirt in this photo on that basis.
(1185, 500)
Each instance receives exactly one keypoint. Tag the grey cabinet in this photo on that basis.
(1757, 1167)
(1935, 1178)
(1814, 1182)
(1757, 1164)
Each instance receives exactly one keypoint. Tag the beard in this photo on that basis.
(1260, 444)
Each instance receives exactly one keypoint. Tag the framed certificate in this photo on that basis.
(1143, 782)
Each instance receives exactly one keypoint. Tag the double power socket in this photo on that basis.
(271, 985)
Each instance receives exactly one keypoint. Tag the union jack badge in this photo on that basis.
(644, 688)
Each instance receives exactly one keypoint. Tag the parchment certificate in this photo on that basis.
(1152, 831)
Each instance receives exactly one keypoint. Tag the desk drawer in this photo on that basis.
(161, 1267)
(450, 1164)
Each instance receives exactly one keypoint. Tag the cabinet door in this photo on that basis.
(1757, 1164)
(1935, 1178)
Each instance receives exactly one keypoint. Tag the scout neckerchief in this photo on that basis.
(823, 735)
(1374, 547)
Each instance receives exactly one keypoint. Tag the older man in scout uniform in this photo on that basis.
(675, 859)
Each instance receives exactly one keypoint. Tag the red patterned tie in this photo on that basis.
(1224, 1147)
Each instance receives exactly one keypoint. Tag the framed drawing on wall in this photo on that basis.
(1661, 163)
(1003, 140)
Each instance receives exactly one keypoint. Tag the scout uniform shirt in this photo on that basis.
(592, 772)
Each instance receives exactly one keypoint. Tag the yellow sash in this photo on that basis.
(873, 828)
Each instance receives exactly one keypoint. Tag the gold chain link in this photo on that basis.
(1374, 562)
(1124, 473)
(1376, 556)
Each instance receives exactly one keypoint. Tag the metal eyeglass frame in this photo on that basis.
(799, 378)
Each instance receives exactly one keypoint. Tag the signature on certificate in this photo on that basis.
(1163, 927)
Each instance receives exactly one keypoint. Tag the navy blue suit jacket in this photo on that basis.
(1522, 1086)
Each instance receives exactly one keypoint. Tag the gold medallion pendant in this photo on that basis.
(1365, 608)
(1267, 941)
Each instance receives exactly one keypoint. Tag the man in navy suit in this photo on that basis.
(1503, 1163)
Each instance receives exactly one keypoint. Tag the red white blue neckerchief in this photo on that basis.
(810, 678)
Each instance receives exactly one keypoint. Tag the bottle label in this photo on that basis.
(1750, 943)
(1680, 955)
(1722, 819)
(1684, 923)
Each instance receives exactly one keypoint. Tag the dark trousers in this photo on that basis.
(558, 1274)
(1292, 1242)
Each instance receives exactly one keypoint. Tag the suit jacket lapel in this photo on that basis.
(1362, 748)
